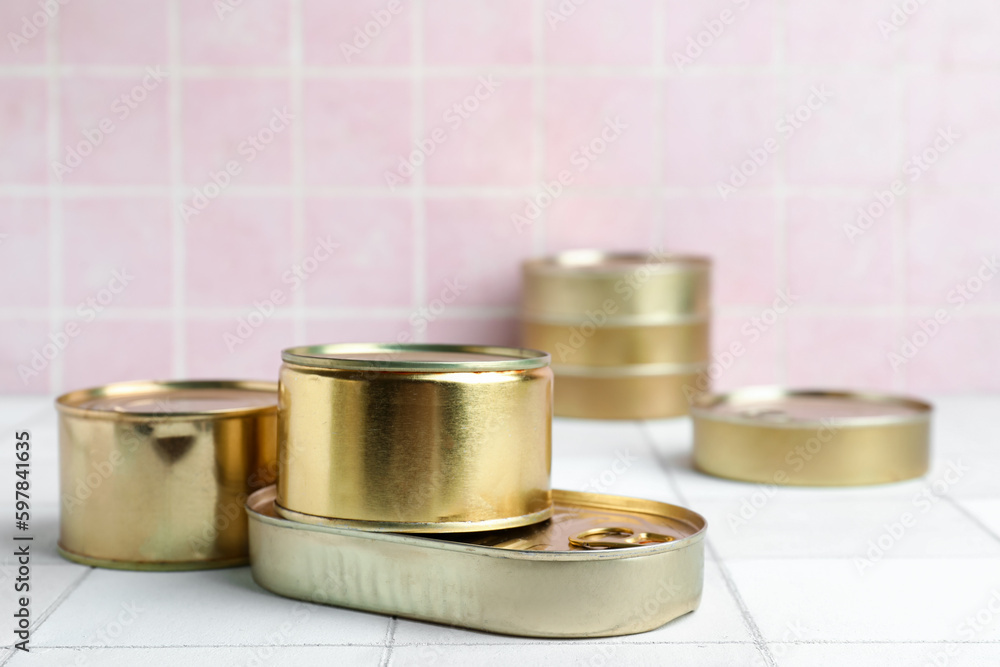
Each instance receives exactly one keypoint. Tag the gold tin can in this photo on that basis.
(602, 566)
(155, 475)
(415, 438)
(772, 435)
(628, 332)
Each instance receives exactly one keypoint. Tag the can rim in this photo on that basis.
(703, 406)
(69, 402)
(597, 262)
(319, 356)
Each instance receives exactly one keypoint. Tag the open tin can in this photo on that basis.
(415, 438)
(811, 438)
(601, 566)
(628, 332)
(155, 475)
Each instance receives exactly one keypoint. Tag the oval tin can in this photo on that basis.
(155, 475)
(415, 438)
(602, 566)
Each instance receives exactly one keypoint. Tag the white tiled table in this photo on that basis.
(782, 588)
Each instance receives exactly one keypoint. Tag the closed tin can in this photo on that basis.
(155, 475)
(415, 438)
(772, 435)
(628, 332)
(602, 566)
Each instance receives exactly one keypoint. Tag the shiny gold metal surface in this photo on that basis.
(154, 475)
(528, 581)
(811, 438)
(415, 438)
(612, 321)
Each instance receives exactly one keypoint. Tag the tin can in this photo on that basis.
(628, 332)
(415, 438)
(772, 435)
(155, 475)
(602, 566)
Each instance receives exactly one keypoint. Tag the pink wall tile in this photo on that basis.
(852, 138)
(955, 33)
(355, 131)
(22, 18)
(833, 32)
(223, 348)
(117, 244)
(744, 352)
(841, 352)
(710, 125)
(256, 32)
(26, 355)
(478, 32)
(136, 151)
(487, 129)
(952, 241)
(105, 32)
(23, 110)
(238, 250)
(700, 34)
(599, 32)
(609, 223)
(488, 331)
(850, 270)
(24, 252)
(373, 265)
(117, 351)
(739, 236)
(237, 120)
(474, 253)
(358, 330)
(962, 357)
(599, 131)
(360, 32)
(953, 138)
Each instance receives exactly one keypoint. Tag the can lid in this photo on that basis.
(415, 357)
(599, 261)
(160, 399)
(778, 407)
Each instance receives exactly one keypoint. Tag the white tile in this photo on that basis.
(576, 655)
(621, 474)
(47, 583)
(903, 600)
(987, 511)
(45, 531)
(258, 656)
(207, 608)
(880, 655)
(594, 437)
(718, 619)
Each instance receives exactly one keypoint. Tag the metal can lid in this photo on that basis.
(599, 261)
(165, 399)
(778, 407)
(415, 357)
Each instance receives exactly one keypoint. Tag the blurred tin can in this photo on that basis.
(772, 435)
(415, 438)
(155, 475)
(602, 566)
(628, 332)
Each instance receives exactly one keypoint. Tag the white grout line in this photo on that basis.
(659, 234)
(418, 189)
(538, 229)
(298, 164)
(389, 642)
(898, 219)
(54, 191)
(177, 192)
(781, 195)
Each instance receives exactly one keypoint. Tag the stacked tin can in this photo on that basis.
(628, 332)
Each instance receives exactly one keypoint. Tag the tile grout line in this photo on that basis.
(900, 214)
(59, 600)
(748, 620)
(971, 517)
(178, 229)
(780, 190)
(418, 192)
(298, 165)
(389, 642)
(659, 230)
(538, 231)
(54, 193)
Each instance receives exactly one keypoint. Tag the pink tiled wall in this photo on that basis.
(234, 247)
